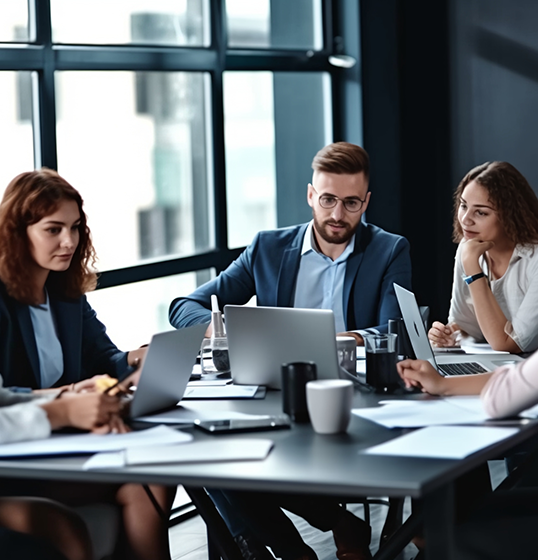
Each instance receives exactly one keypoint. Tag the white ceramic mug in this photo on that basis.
(329, 404)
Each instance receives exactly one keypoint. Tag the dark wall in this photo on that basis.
(447, 85)
(407, 134)
(494, 79)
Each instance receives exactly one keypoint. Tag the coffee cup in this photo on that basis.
(295, 376)
(381, 372)
(329, 404)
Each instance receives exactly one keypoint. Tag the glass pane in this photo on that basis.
(277, 24)
(16, 131)
(134, 145)
(250, 154)
(14, 25)
(265, 113)
(134, 312)
(147, 22)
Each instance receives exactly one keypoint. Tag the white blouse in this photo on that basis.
(516, 293)
(21, 417)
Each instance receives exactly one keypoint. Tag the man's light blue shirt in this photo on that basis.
(320, 280)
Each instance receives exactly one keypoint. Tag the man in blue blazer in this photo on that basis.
(338, 262)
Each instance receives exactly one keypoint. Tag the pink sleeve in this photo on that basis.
(512, 388)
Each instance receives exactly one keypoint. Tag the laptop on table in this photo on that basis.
(166, 370)
(261, 339)
(447, 364)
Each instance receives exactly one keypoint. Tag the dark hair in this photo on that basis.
(342, 158)
(28, 198)
(512, 197)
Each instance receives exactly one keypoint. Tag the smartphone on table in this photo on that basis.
(238, 425)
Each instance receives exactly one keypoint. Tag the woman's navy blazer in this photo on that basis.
(87, 349)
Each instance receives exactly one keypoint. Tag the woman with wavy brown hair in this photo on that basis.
(51, 337)
(495, 289)
(49, 333)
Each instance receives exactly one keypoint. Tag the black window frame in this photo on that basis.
(45, 58)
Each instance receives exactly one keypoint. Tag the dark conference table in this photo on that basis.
(303, 461)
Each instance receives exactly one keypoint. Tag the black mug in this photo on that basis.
(295, 376)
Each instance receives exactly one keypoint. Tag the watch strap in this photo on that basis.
(470, 279)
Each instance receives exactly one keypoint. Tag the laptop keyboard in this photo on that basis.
(466, 368)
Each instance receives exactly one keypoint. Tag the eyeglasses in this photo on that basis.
(328, 201)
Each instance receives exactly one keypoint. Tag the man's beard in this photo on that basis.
(334, 237)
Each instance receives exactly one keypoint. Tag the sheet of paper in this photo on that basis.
(420, 413)
(531, 412)
(183, 414)
(209, 383)
(223, 392)
(93, 443)
(105, 460)
(442, 442)
(472, 347)
(217, 450)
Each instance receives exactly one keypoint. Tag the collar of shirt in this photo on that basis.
(309, 244)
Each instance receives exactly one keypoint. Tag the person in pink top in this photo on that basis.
(502, 525)
(505, 392)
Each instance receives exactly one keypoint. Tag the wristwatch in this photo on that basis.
(470, 279)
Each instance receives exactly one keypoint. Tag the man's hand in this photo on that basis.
(422, 375)
(444, 336)
(135, 358)
(471, 251)
(355, 335)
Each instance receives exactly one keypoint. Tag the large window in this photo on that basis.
(187, 126)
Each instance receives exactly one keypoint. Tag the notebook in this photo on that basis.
(261, 339)
(447, 365)
(166, 370)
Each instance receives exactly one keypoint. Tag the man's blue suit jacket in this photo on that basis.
(268, 269)
(87, 350)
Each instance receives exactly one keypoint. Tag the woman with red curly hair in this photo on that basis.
(495, 289)
(50, 335)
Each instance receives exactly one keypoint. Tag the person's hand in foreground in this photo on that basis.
(420, 374)
(97, 412)
(444, 336)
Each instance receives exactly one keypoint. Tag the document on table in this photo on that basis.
(209, 383)
(472, 347)
(214, 451)
(183, 414)
(221, 392)
(254, 449)
(419, 413)
(93, 443)
(442, 442)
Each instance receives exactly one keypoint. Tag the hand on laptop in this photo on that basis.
(420, 374)
(444, 336)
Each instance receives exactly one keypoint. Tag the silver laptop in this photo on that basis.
(446, 364)
(261, 339)
(166, 370)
